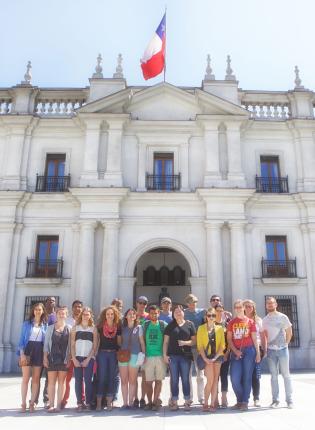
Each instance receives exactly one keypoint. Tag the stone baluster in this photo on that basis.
(109, 277)
(86, 262)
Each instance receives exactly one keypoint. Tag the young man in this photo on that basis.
(216, 299)
(77, 307)
(197, 317)
(278, 332)
(50, 306)
(155, 368)
(166, 313)
(142, 315)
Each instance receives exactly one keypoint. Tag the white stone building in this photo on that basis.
(115, 191)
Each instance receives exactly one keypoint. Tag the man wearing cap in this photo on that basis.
(197, 317)
(166, 313)
(141, 305)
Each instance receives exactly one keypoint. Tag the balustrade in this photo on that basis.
(5, 106)
(268, 111)
(57, 107)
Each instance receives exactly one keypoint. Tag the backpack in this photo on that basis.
(145, 326)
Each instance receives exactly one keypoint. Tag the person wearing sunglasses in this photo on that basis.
(210, 345)
(242, 340)
(142, 315)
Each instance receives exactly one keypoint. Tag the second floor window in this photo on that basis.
(55, 165)
(163, 171)
(47, 255)
(269, 167)
(276, 247)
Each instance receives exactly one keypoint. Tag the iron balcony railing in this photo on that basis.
(52, 184)
(163, 182)
(49, 268)
(267, 184)
(278, 268)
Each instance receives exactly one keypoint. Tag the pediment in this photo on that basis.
(163, 102)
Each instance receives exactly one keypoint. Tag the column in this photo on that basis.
(6, 241)
(235, 172)
(90, 158)
(126, 290)
(214, 258)
(141, 166)
(308, 231)
(109, 277)
(238, 261)
(212, 160)
(86, 262)
(74, 260)
(184, 167)
(113, 172)
(9, 352)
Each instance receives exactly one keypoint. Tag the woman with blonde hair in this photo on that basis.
(30, 352)
(84, 341)
(57, 357)
(210, 345)
(109, 334)
(251, 312)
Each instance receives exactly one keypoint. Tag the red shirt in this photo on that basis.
(241, 330)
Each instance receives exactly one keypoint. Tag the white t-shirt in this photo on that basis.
(275, 325)
(36, 334)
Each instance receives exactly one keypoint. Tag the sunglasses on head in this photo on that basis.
(211, 315)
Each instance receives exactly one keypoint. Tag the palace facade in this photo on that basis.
(117, 191)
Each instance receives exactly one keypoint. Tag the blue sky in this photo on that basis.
(62, 38)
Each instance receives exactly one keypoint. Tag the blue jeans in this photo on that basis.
(85, 373)
(241, 371)
(180, 367)
(107, 368)
(279, 359)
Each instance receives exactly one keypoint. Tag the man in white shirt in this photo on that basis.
(278, 333)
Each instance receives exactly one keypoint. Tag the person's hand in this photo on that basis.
(181, 342)
(238, 354)
(45, 362)
(166, 359)
(23, 359)
(226, 356)
(258, 358)
(208, 360)
(85, 362)
(76, 362)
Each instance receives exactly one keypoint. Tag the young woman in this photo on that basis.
(57, 357)
(132, 340)
(30, 352)
(250, 312)
(179, 337)
(84, 341)
(242, 340)
(210, 345)
(109, 332)
(222, 319)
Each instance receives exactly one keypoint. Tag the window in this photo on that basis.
(269, 167)
(270, 180)
(55, 165)
(277, 263)
(46, 260)
(31, 300)
(163, 171)
(288, 306)
(276, 247)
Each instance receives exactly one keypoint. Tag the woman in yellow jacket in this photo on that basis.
(210, 345)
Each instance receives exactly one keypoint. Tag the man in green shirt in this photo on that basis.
(155, 368)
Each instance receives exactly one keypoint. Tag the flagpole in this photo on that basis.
(165, 46)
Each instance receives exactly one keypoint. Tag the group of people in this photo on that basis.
(150, 340)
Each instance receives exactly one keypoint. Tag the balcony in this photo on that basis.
(163, 182)
(272, 185)
(278, 268)
(52, 184)
(50, 268)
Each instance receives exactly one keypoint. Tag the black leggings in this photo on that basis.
(224, 375)
(255, 385)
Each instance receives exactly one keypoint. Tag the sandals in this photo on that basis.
(187, 406)
(212, 408)
(51, 410)
(205, 408)
(32, 407)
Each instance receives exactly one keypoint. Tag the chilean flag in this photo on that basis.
(153, 60)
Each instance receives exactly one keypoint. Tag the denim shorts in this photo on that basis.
(132, 362)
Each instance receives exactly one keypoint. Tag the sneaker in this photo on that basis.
(290, 405)
(243, 407)
(275, 404)
(142, 404)
(236, 407)
(173, 405)
(136, 403)
(187, 405)
(257, 403)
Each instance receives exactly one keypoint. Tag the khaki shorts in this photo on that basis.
(155, 369)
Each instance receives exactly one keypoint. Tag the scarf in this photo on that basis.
(109, 332)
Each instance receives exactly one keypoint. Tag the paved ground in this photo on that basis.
(264, 418)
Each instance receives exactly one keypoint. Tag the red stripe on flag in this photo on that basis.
(154, 66)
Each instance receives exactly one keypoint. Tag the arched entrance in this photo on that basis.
(160, 272)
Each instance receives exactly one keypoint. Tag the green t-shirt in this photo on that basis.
(154, 340)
